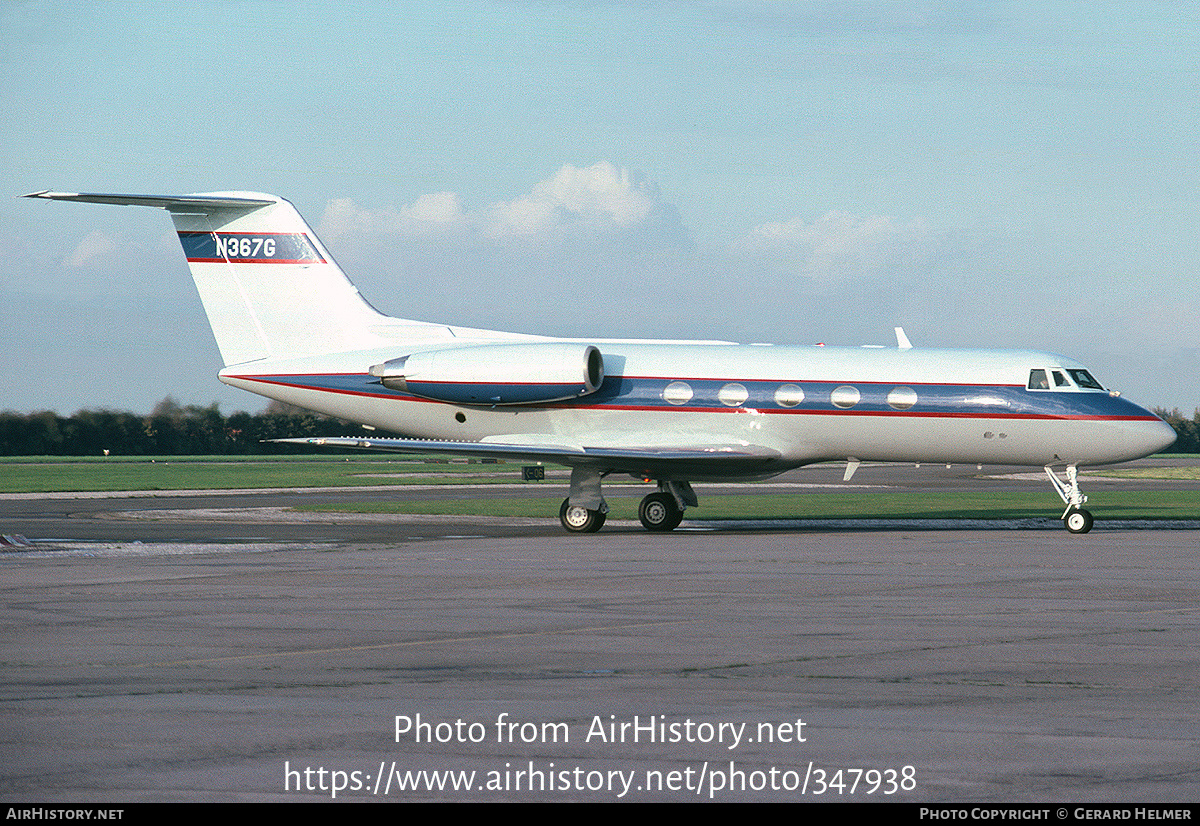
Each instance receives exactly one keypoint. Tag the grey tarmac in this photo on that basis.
(238, 661)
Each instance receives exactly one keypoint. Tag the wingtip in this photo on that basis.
(52, 195)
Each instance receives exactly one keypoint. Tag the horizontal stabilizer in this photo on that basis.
(174, 203)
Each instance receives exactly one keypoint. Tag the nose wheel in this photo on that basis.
(1075, 518)
(1078, 520)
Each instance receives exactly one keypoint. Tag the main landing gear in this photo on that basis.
(1075, 518)
(659, 512)
(578, 519)
(663, 511)
(585, 510)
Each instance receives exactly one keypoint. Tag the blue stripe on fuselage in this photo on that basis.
(646, 393)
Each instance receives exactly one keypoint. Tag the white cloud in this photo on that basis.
(599, 197)
(431, 214)
(839, 246)
(95, 245)
(442, 208)
(575, 202)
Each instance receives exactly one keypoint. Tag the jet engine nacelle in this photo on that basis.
(489, 374)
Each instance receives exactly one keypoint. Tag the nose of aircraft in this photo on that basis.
(1145, 436)
(1135, 434)
(1158, 436)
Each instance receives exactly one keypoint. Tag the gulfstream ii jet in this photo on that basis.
(290, 326)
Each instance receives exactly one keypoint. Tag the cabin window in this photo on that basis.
(1084, 379)
(845, 396)
(1038, 380)
(902, 398)
(733, 395)
(677, 392)
(789, 395)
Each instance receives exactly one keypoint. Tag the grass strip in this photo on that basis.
(1192, 473)
(215, 473)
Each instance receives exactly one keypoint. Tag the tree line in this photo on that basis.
(169, 430)
(1187, 431)
(174, 430)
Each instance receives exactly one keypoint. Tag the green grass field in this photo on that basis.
(1155, 473)
(53, 474)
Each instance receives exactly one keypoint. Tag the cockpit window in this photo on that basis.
(1059, 379)
(1084, 379)
(1038, 380)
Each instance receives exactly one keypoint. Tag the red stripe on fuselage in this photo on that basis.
(256, 261)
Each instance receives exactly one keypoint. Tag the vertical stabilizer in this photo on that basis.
(269, 287)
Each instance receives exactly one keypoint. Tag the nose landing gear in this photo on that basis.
(1075, 518)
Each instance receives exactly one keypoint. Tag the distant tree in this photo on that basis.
(91, 432)
(167, 407)
(240, 430)
(44, 434)
(1187, 431)
(204, 430)
(277, 408)
(12, 433)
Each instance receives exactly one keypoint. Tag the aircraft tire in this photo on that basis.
(1078, 520)
(580, 520)
(659, 512)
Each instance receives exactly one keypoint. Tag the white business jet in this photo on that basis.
(290, 326)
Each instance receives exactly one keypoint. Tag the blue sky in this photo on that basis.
(984, 174)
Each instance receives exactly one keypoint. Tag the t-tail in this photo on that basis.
(269, 287)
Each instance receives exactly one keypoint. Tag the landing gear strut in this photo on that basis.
(1075, 518)
(584, 510)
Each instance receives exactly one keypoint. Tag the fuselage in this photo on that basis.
(808, 403)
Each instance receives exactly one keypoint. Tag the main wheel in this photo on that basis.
(577, 519)
(1078, 520)
(659, 512)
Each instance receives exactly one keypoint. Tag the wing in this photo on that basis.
(683, 461)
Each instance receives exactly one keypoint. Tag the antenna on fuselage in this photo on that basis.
(902, 341)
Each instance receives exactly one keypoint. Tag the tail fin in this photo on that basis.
(269, 288)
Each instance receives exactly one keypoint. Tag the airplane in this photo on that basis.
(291, 326)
